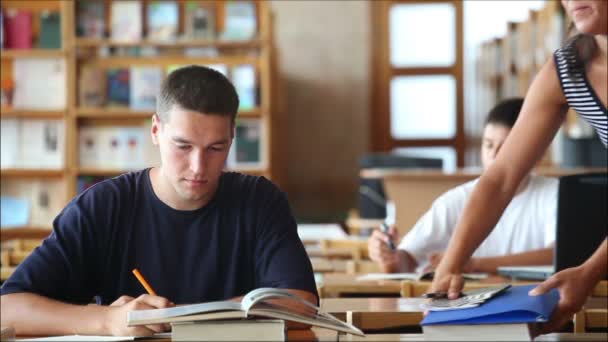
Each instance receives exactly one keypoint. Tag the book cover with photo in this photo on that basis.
(92, 87)
(199, 21)
(240, 21)
(145, 84)
(30, 92)
(126, 19)
(163, 18)
(90, 16)
(118, 87)
(244, 80)
(247, 147)
(41, 144)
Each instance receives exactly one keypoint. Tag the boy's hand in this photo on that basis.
(116, 317)
(379, 250)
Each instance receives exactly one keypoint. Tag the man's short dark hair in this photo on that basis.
(505, 112)
(197, 88)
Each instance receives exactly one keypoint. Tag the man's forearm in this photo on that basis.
(597, 265)
(33, 315)
(536, 257)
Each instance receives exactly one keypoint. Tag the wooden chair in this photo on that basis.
(353, 249)
(591, 317)
(362, 266)
(13, 253)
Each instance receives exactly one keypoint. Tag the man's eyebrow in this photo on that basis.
(181, 140)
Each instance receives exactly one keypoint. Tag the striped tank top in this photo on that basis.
(578, 91)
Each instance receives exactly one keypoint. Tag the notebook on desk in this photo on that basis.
(527, 272)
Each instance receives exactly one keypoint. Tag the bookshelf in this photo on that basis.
(79, 51)
(507, 65)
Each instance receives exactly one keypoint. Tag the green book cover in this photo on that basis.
(50, 30)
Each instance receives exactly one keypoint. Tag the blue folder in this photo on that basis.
(513, 306)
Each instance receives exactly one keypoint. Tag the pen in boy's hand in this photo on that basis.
(385, 230)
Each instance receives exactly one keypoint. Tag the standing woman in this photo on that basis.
(575, 77)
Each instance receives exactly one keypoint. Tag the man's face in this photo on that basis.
(193, 150)
(494, 136)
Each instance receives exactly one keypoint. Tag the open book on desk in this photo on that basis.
(255, 304)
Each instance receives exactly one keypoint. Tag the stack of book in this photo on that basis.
(260, 315)
(508, 315)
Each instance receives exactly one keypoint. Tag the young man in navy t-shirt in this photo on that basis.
(195, 232)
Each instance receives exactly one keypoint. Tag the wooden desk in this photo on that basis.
(557, 337)
(411, 288)
(369, 314)
(342, 284)
(414, 190)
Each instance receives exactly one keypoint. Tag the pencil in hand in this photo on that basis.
(385, 230)
(143, 282)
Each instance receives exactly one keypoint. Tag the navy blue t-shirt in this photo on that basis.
(244, 238)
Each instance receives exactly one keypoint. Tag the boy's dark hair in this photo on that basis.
(505, 112)
(199, 89)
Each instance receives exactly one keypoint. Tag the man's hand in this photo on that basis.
(116, 318)
(380, 252)
(435, 259)
(574, 289)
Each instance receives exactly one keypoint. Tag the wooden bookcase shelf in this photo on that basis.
(220, 44)
(32, 53)
(26, 232)
(32, 173)
(31, 113)
(79, 52)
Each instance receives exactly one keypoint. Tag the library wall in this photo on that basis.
(326, 94)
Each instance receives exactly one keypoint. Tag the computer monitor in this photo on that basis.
(581, 218)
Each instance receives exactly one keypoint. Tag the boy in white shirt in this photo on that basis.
(523, 236)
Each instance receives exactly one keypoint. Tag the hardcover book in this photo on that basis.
(118, 87)
(90, 19)
(257, 303)
(163, 17)
(126, 21)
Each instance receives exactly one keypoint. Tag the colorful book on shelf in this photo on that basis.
(199, 21)
(14, 211)
(126, 21)
(163, 18)
(42, 144)
(125, 145)
(50, 30)
(508, 316)
(18, 29)
(243, 78)
(118, 87)
(257, 303)
(9, 143)
(90, 16)
(145, 85)
(40, 83)
(92, 86)
(246, 149)
(240, 21)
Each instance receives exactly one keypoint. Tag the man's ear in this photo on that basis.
(156, 127)
(232, 130)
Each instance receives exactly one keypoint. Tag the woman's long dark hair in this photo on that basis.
(584, 44)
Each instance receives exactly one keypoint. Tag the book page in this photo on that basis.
(139, 317)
